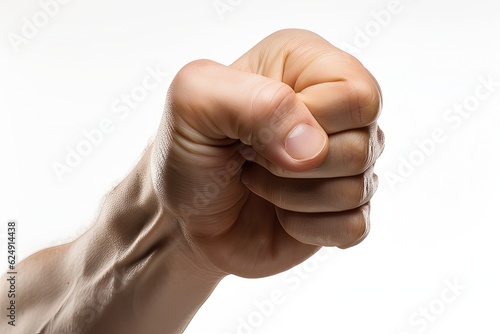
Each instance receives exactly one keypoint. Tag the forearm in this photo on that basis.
(132, 272)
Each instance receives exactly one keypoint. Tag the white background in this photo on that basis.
(435, 225)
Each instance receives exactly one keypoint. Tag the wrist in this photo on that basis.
(158, 279)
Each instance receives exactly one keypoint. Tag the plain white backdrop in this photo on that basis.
(430, 264)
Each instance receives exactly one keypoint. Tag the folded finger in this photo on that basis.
(310, 195)
(342, 229)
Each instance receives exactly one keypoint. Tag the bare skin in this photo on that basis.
(220, 191)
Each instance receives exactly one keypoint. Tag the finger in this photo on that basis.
(211, 103)
(342, 229)
(350, 153)
(310, 195)
(342, 105)
(338, 90)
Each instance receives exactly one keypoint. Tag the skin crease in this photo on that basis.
(216, 193)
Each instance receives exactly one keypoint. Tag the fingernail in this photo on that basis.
(304, 142)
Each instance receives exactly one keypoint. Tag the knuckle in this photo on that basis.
(365, 101)
(271, 105)
(370, 185)
(357, 228)
(271, 95)
(376, 142)
(363, 189)
(358, 191)
(190, 72)
(360, 152)
(188, 80)
(380, 139)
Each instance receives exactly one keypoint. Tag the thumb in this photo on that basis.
(219, 102)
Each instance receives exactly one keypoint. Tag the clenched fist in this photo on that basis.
(264, 161)
(255, 166)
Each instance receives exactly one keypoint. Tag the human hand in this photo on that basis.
(251, 201)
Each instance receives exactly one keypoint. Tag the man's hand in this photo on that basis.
(254, 168)
(263, 162)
